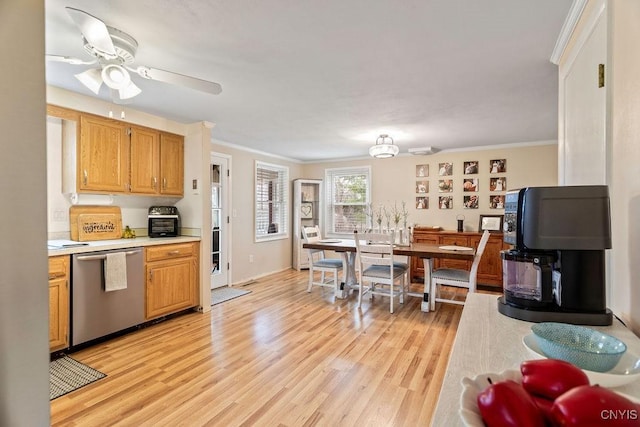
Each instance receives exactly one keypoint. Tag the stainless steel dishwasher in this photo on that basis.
(96, 313)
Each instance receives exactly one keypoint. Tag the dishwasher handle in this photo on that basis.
(95, 257)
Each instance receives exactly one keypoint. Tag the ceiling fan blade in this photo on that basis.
(94, 31)
(68, 60)
(179, 79)
(117, 99)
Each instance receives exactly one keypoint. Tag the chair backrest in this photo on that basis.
(311, 234)
(374, 249)
(476, 259)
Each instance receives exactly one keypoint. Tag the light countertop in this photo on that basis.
(103, 245)
(489, 342)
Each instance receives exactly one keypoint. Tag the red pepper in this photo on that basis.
(507, 404)
(594, 406)
(550, 377)
(544, 406)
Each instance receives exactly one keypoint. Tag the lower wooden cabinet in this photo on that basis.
(171, 275)
(58, 303)
(490, 268)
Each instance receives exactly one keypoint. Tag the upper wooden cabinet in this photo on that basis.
(103, 155)
(172, 164)
(145, 160)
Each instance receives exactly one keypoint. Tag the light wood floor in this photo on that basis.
(278, 356)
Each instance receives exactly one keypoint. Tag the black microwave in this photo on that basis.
(164, 221)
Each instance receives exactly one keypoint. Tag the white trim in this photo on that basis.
(253, 150)
(228, 202)
(589, 26)
(570, 22)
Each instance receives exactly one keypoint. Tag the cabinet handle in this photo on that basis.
(151, 275)
(173, 253)
(164, 183)
(154, 182)
(84, 176)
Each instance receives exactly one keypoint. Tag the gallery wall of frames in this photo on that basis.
(450, 175)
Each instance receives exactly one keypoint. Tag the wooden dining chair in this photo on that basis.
(457, 277)
(384, 275)
(318, 262)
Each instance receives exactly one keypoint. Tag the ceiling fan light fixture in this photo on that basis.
(130, 91)
(115, 76)
(384, 148)
(91, 79)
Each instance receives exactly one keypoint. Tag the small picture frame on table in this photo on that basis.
(493, 223)
(306, 210)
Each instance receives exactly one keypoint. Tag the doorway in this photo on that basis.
(220, 223)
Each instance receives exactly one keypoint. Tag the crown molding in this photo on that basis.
(570, 22)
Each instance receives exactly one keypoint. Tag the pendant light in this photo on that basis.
(384, 148)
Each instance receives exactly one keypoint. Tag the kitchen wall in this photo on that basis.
(394, 180)
(269, 256)
(134, 208)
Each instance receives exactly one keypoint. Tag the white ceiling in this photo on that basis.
(315, 80)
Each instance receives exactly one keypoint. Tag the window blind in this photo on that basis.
(271, 201)
(348, 195)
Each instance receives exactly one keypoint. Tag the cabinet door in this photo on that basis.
(171, 286)
(58, 303)
(490, 267)
(145, 161)
(103, 155)
(454, 263)
(171, 164)
(417, 265)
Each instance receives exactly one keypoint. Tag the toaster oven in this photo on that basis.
(164, 221)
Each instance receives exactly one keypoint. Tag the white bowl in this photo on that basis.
(626, 371)
(471, 387)
(469, 411)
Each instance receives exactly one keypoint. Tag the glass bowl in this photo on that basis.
(584, 347)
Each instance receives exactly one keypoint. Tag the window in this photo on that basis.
(348, 195)
(272, 201)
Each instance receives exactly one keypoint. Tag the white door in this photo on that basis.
(583, 145)
(220, 223)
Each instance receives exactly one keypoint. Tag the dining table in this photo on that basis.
(425, 251)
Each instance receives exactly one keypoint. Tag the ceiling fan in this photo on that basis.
(114, 51)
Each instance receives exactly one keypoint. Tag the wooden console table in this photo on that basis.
(490, 268)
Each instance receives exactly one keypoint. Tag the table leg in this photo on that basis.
(349, 275)
(426, 304)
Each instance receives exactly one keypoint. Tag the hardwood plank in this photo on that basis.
(278, 356)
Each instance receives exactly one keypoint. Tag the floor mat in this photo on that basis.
(225, 294)
(67, 375)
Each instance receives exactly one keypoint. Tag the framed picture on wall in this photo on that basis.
(496, 202)
(422, 203)
(470, 202)
(471, 168)
(445, 202)
(498, 184)
(445, 186)
(445, 169)
(498, 165)
(422, 186)
(493, 223)
(422, 170)
(470, 184)
(306, 210)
